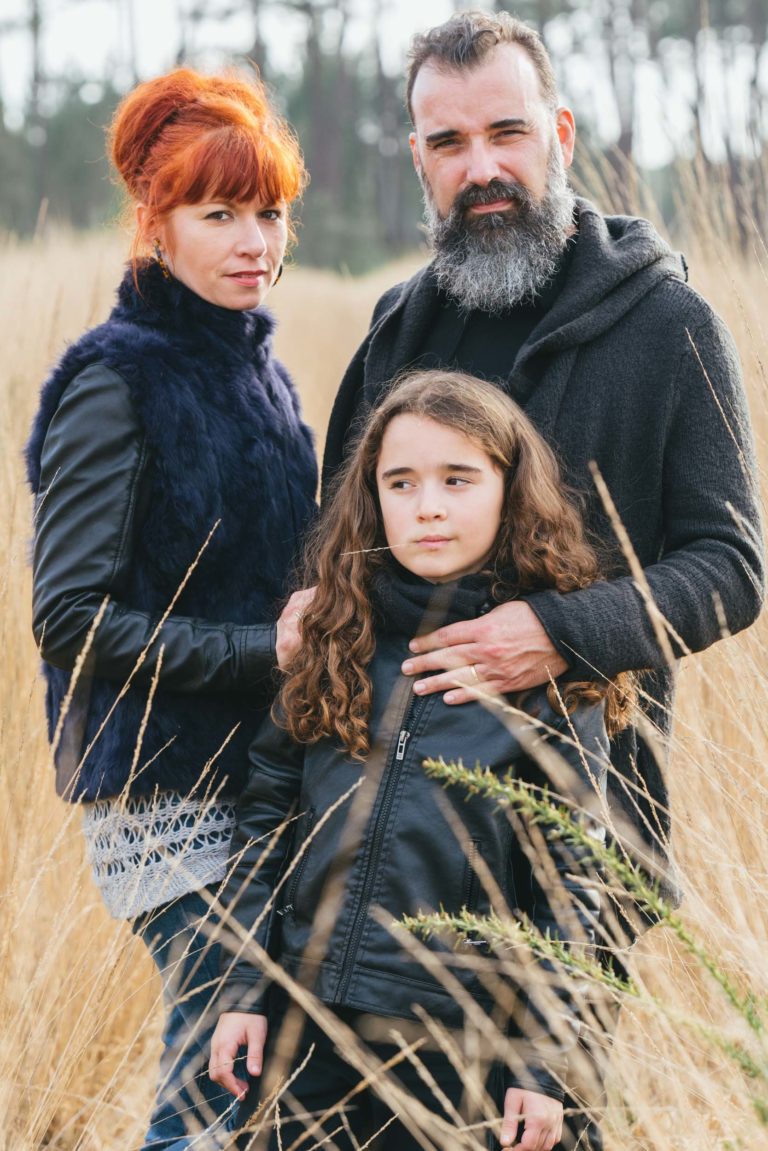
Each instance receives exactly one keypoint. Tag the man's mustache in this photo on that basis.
(473, 195)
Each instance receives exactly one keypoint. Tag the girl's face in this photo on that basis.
(227, 253)
(441, 498)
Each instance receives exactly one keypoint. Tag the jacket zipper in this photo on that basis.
(393, 770)
(471, 884)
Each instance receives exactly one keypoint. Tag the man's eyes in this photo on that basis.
(455, 141)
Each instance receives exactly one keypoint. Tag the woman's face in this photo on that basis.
(229, 254)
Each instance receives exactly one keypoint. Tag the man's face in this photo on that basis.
(483, 124)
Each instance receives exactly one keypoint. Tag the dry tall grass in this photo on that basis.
(78, 999)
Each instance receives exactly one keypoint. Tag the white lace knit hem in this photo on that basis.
(147, 850)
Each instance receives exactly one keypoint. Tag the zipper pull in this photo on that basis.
(402, 741)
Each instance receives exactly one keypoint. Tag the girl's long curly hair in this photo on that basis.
(541, 539)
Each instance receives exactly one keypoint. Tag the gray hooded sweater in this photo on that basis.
(632, 369)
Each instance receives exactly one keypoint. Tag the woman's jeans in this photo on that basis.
(177, 936)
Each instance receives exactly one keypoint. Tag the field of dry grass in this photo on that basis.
(79, 1017)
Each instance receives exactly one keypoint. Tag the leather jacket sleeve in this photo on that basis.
(260, 846)
(93, 463)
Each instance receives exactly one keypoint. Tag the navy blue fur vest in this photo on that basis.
(226, 442)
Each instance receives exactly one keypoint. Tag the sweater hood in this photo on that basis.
(616, 261)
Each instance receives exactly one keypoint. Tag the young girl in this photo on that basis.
(450, 504)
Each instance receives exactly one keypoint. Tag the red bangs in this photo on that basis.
(232, 163)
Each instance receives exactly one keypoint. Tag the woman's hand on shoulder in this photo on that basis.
(236, 1029)
(289, 626)
(541, 1116)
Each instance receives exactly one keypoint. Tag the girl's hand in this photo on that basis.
(289, 626)
(237, 1029)
(541, 1116)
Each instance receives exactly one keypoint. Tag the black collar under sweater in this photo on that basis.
(487, 345)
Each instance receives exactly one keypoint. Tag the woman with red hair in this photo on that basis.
(173, 477)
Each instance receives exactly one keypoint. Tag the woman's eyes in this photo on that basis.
(220, 214)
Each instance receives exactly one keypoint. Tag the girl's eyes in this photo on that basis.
(271, 214)
(219, 214)
(450, 481)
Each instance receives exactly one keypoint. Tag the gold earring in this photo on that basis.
(279, 275)
(161, 262)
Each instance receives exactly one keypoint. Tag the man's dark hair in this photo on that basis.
(467, 38)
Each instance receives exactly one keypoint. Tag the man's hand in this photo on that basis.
(542, 1120)
(507, 648)
(236, 1029)
(289, 626)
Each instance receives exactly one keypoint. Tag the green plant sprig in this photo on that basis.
(507, 934)
(562, 822)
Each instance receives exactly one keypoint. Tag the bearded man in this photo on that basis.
(588, 322)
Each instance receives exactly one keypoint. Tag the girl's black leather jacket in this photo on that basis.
(370, 843)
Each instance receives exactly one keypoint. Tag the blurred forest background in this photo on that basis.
(655, 84)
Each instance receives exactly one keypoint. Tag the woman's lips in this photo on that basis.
(249, 279)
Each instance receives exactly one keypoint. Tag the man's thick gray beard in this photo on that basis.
(510, 257)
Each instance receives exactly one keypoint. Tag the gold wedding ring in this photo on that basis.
(475, 676)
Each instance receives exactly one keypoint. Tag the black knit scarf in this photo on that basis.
(406, 604)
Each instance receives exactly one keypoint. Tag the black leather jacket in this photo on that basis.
(168, 451)
(93, 475)
(384, 840)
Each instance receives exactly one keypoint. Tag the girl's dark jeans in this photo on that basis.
(328, 1078)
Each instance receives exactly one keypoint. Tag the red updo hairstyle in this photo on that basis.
(184, 137)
